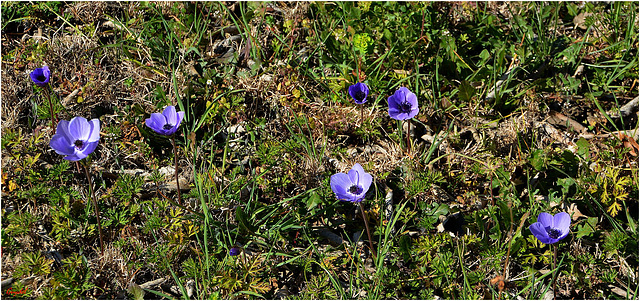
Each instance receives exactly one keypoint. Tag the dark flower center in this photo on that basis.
(355, 189)
(553, 233)
(78, 143)
(360, 95)
(167, 126)
(41, 77)
(405, 107)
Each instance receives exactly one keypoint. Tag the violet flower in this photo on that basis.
(41, 76)
(403, 104)
(550, 229)
(76, 139)
(353, 186)
(166, 123)
(359, 93)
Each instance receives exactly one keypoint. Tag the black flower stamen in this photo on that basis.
(167, 126)
(355, 189)
(41, 77)
(553, 233)
(360, 95)
(78, 143)
(405, 107)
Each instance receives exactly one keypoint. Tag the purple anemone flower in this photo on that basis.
(550, 229)
(166, 123)
(41, 76)
(403, 104)
(76, 139)
(359, 92)
(353, 186)
(234, 251)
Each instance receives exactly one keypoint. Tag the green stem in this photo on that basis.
(175, 160)
(95, 206)
(366, 225)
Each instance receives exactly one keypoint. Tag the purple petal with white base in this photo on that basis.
(403, 104)
(351, 187)
(550, 229)
(166, 123)
(76, 139)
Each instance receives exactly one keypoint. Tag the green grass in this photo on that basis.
(268, 120)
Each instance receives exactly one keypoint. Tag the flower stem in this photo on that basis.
(361, 115)
(408, 136)
(366, 225)
(555, 274)
(54, 119)
(95, 206)
(175, 160)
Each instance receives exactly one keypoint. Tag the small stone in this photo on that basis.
(190, 287)
(236, 129)
(167, 171)
(266, 78)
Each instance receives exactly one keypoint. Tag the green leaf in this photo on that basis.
(632, 223)
(583, 148)
(484, 56)
(587, 227)
(387, 34)
(434, 214)
(241, 216)
(441, 210)
(466, 91)
(136, 291)
(566, 183)
(538, 160)
(313, 201)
